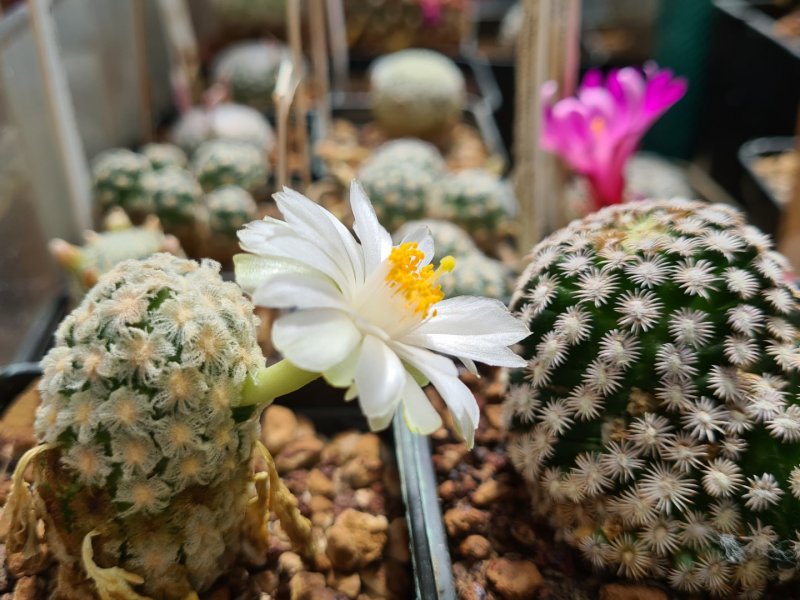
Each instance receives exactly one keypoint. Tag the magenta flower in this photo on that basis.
(596, 131)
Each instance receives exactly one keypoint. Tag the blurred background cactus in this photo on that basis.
(478, 275)
(398, 191)
(226, 162)
(448, 239)
(117, 181)
(139, 402)
(165, 155)
(657, 422)
(226, 121)
(417, 93)
(422, 155)
(227, 209)
(249, 70)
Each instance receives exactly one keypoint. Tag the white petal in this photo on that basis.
(419, 414)
(298, 291)
(444, 377)
(251, 270)
(380, 423)
(472, 328)
(317, 224)
(376, 242)
(315, 340)
(469, 364)
(343, 374)
(380, 378)
(421, 234)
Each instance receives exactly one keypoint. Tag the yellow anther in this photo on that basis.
(416, 285)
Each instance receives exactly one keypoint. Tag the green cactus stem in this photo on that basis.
(658, 420)
(117, 181)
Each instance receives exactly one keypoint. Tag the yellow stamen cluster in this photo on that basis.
(417, 285)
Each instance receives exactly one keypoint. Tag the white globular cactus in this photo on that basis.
(420, 154)
(477, 201)
(226, 121)
(228, 209)
(416, 93)
(117, 181)
(175, 195)
(150, 453)
(478, 275)
(658, 420)
(398, 191)
(162, 156)
(225, 162)
(250, 70)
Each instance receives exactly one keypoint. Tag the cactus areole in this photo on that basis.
(658, 421)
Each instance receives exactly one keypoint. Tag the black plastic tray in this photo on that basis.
(763, 208)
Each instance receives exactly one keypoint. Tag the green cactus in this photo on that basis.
(165, 155)
(477, 201)
(117, 181)
(416, 93)
(398, 191)
(229, 208)
(103, 251)
(448, 239)
(250, 70)
(175, 195)
(658, 419)
(226, 121)
(478, 275)
(226, 162)
(421, 155)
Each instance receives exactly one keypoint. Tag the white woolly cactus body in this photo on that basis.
(117, 181)
(477, 201)
(416, 93)
(250, 70)
(658, 420)
(165, 155)
(226, 121)
(448, 239)
(226, 162)
(420, 154)
(139, 400)
(478, 275)
(175, 195)
(398, 191)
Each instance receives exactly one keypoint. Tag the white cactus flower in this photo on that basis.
(370, 316)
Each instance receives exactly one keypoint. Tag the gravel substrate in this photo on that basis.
(347, 485)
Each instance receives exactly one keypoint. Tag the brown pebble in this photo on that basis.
(290, 563)
(306, 586)
(448, 490)
(356, 539)
(448, 456)
(25, 589)
(514, 579)
(341, 448)
(475, 547)
(299, 454)
(374, 581)
(360, 471)
(18, 565)
(320, 504)
(398, 547)
(489, 492)
(616, 591)
(279, 428)
(349, 585)
(494, 415)
(319, 484)
(463, 520)
(220, 593)
(523, 533)
(267, 581)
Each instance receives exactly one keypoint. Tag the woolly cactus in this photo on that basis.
(165, 155)
(478, 275)
(225, 121)
(448, 239)
(229, 208)
(417, 93)
(175, 195)
(658, 419)
(103, 251)
(421, 155)
(225, 162)
(139, 398)
(117, 181)
(477, 201)
(398, 191)
(250, 70)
